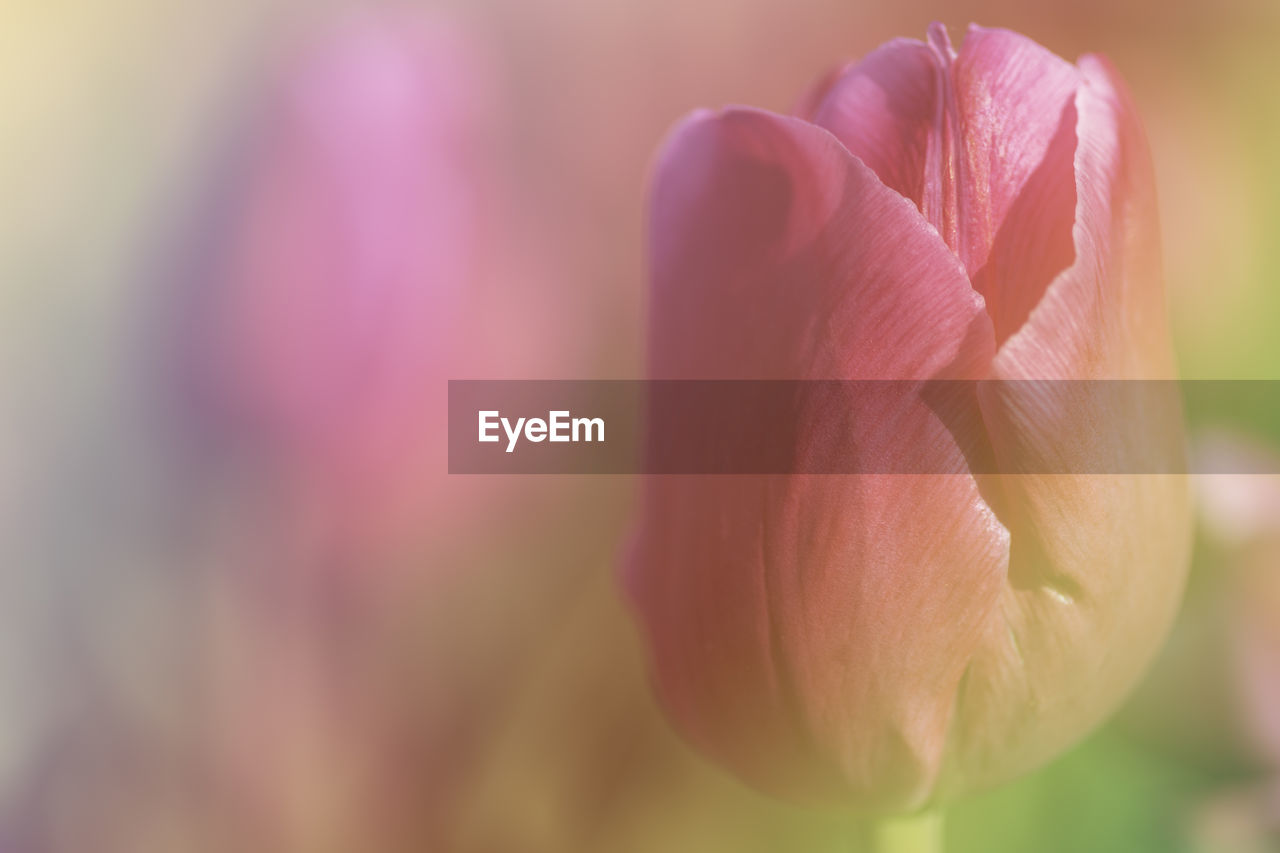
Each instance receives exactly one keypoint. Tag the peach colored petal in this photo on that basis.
(1097, 562)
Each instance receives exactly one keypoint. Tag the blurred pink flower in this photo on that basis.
(373, 243)
(885, 641)
(343, 276)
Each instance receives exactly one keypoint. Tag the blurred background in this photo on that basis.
(243, 245)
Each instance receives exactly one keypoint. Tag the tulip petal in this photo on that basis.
(1105, 316)
(765, 264)
(885, 111)
(1096, 561)
(982, 142)
(791, 619)
(1015, 189)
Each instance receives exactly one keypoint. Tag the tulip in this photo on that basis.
(339, 265)
(367, 248)
(324, 313)
(884, 642)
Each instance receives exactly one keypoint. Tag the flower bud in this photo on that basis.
(884, 641)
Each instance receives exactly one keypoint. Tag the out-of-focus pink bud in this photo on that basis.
(351, 252)
(368, 246)
(883, 641)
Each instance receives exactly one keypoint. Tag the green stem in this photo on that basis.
(917, 833)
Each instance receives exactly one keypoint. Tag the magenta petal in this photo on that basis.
(885, 110)
(765, 265)
(982, 142)
(1015, 188)
(776, 607)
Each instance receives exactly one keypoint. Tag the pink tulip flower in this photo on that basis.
(336, 284)
(372, 244)
(374, 241)
(885, 641)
